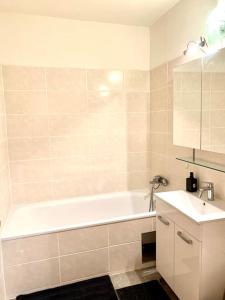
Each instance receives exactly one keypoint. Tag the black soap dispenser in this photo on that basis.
(191, 183)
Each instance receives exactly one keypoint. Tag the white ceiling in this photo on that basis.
(131, 12)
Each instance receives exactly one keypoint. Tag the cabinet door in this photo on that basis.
(187, 265)
(165, 249)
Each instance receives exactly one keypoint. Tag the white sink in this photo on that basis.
(193, 207)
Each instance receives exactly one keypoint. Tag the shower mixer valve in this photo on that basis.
(155, 183)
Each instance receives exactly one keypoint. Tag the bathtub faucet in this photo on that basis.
(155, 183)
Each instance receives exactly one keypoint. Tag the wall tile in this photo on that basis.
(83, 240)
(125, 257)
(29, 249)
(137, 80)
(31, 192)
(27, 126)
(32, 276)
(30, 171)
(68, 125)
(69, 79)
(81, 265)
(67, 102)
(104, 80)
(26, 102)
(112, 101)
(23, 78)
(30, 148)
(137, 101)
(126, 232)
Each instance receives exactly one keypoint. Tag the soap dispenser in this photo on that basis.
(191, 183)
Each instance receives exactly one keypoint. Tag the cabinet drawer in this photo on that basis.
(187, 267)
(179, 218)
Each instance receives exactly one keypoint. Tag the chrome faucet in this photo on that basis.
(209, 188)
(154, 185)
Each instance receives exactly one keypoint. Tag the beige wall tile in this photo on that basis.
(65, 79)
(137, 161)
(137, 80)
(69, 146)
(104, 80)
(79, 125)
(83, 240)
(136, 122)
(107, 123)
(33, 276)
(29, 148)
(31, 192)
(67, 102)
(30, 171)
(26, 102)
(29, 249)
(130, 231)
(137, 180)
(27, 126)
(69, 124)
(158, 77)
(112, 101)
(63, 168)
(137, 101)
(125, 257)
(23, 78)
(137, 142)
(83, 265)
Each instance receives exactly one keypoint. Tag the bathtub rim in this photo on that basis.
(7, 237)
(4, 236)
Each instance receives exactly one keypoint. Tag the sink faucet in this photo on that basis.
(209, 188)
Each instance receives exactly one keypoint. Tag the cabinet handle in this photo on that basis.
(164, 221)
(184, 238)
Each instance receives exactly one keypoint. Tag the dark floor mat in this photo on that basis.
(99, 288)
(146, 291)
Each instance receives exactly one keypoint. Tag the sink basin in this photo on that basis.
(195, 208)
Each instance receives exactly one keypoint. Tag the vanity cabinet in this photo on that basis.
(190, 256)
(165, 240)
(187, 262)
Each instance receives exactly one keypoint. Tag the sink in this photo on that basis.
(194, 207)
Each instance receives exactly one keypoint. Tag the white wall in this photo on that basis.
(47, 41)
(170, 34)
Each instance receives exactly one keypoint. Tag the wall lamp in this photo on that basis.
(194, 46)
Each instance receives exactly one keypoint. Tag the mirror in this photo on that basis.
(213, 103)
(187, 105)
(199, 104)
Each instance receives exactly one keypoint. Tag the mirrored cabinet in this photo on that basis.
(199, 103)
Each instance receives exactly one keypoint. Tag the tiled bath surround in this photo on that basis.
(39, 262)
(75, 132)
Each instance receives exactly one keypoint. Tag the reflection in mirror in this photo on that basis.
(187, 105)
(213, 102)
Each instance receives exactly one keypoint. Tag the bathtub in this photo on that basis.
(80, 212)
(60, 242)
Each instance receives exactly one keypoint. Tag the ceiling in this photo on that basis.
(131, 12)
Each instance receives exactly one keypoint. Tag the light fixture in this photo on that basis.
(194, 46)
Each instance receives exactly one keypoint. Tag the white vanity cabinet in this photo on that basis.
(190, 256)
(187, 265)
(165, 249)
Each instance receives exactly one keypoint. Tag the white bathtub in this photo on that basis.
(80, 212)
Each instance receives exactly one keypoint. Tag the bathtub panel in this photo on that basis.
(126, 257)
(82, 265)
(30, 277)
(125, 232)
(30, 249)
(80, 240)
